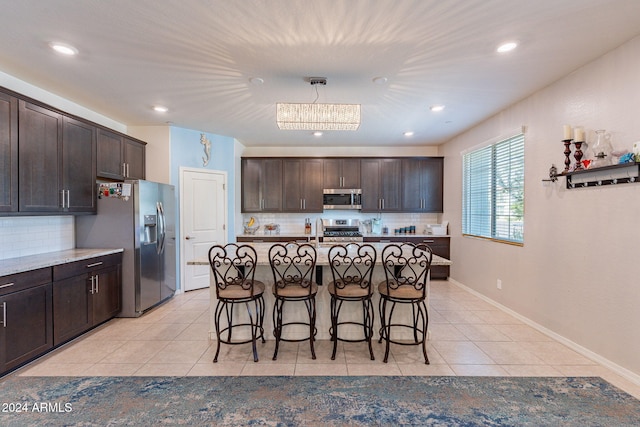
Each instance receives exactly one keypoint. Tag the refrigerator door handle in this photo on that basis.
(161, 231)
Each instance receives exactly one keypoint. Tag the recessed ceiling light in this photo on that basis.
(436, 108)
(63, 48)
(317, 133)
(160, 109)
(257, 81)
(506, 47)
(380, 80)
(408, 133)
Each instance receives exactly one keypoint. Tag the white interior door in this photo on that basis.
(203, 218)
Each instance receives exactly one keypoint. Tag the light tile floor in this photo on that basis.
(468, 337)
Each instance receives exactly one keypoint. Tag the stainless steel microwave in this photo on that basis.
(341, 198)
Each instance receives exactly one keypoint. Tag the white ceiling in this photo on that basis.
(196, 57)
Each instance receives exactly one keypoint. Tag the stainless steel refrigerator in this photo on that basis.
(138, 216)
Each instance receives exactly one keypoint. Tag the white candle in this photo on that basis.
(578, 135)
(567, 132)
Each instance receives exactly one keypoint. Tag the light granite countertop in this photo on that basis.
(49, 259)
(313, 236)
(262, 250)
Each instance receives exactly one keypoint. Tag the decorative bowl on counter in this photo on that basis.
(251, 226)
(272, 228)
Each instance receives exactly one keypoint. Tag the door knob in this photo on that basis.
(189, 237)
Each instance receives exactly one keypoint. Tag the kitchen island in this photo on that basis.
(323, 299)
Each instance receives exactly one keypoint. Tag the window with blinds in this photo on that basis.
(493, 191)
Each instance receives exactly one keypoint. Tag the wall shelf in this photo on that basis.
(606, 175)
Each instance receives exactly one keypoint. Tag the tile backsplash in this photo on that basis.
(294, 222)
(22, 236)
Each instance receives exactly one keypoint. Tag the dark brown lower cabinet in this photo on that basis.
(41, 309)
(85, 294)
(440, 246)
(106, 301)
(25, 320)
(71, 305)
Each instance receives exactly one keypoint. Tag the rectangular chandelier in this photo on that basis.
(318, 116)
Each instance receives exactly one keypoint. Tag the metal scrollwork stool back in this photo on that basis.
(293, 266)
(351, 269)
(406, 269)
(233, 269)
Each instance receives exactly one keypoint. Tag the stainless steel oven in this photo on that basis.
(341, 198)
(341, 231)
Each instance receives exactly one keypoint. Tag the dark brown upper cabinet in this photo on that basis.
(57, 157)
(341, 173)
(381, 181)
(8, 153)
(302, 185)
(422, 181)
(261, 185)
(79, 165)
(120, 157)
(40, 159)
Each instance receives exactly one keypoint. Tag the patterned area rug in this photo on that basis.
(315, 401)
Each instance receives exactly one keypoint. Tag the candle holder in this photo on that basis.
(578, 155)
(567, 154)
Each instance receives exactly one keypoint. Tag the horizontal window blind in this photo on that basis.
(493, 191)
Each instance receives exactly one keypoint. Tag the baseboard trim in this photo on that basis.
(622, 371)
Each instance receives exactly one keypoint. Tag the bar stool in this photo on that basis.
(233, 270)
(406, 269)
(351, 270)
(293, 266)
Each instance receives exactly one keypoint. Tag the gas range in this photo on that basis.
(341, 231)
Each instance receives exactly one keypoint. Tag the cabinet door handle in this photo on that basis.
(7, 285)
(304, 204)
(95, 264)
(91, 291)
(128, 174)
(124, 169)
(68, 198)
(97, 284)
(62, 199)
(4, 314)
(428, 241)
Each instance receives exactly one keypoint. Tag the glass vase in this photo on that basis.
(602, 149)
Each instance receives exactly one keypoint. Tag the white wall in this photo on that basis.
(576, 273)
(158, 151)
